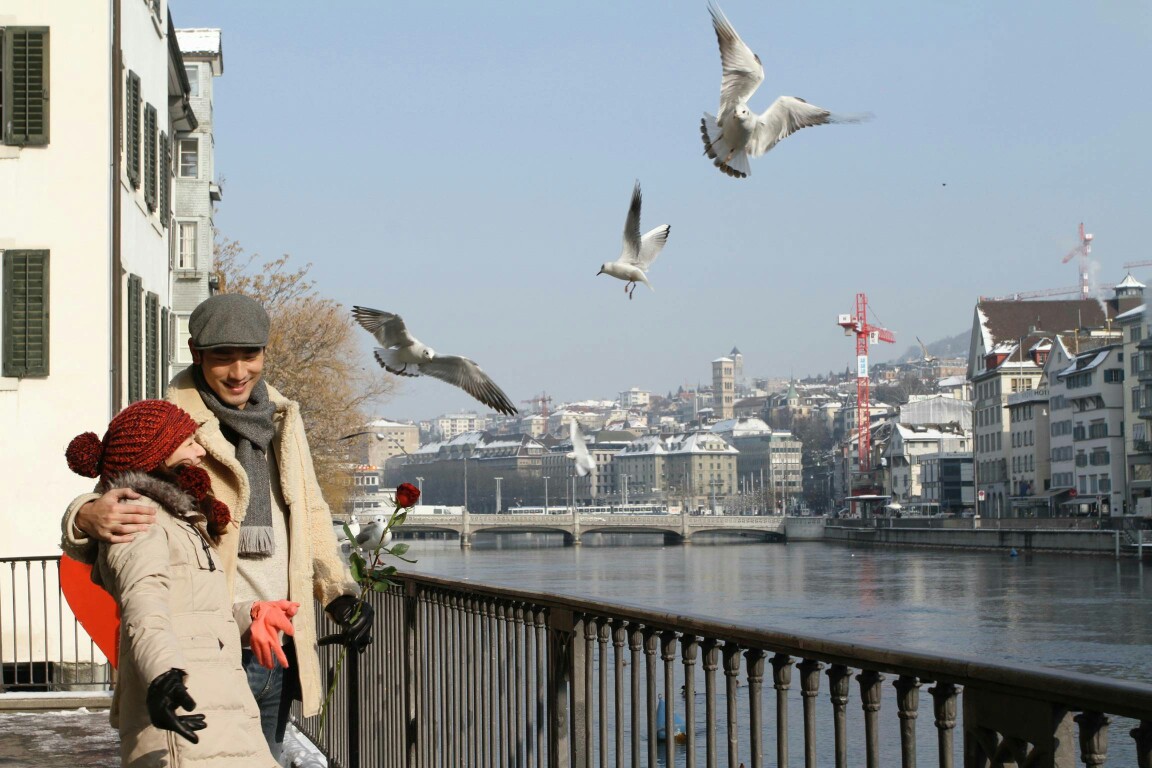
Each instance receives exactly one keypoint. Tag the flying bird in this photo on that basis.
(638, 252)
(403, 355)
(579, 454)
(738, 133)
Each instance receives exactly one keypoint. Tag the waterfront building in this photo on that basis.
(195, 190)
(768, 460)
(1006, 356)
(1030, 458)
(701, 468)
(907, 447)
(1087, 398)
(641, 470)
(381, 440)
(86, 125)
(1137, 445)
(947, 483)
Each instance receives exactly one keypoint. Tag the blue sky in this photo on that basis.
(469, 165)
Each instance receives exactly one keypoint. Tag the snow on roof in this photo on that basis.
(722, 360)
(387, 423)
(198, 40)
(1085, 362)
(1132, 313)
(1130, 282)
(738, 427)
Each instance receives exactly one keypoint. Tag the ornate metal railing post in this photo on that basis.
(944, 697)
(732, 680)
(619, 639)
(411, 677)
(689, 645)
(650, 642)
(870, 702)
(587, 684)
(1093, 737)
(635, 646)
(781, 681)
(809, 690)
(754, 659)
(711, 662)
(1142, 735)
(668, 656)
(908, 704)
(561, 641)
(838, 683)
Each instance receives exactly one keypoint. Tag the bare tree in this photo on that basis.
(312, 357)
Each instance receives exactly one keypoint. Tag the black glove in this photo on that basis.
(357, 629)
(167, 692)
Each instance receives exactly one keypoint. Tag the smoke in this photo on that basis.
(1095, 290)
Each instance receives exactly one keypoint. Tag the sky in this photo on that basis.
(469, 167)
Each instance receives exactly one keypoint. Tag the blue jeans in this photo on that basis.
(272, 692)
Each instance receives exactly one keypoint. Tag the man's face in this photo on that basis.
(231, 372)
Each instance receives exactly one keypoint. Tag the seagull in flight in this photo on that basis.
(579, 454)
(738, 133)
(403, 355)
(638, 252)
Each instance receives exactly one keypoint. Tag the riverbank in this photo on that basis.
(977, 536)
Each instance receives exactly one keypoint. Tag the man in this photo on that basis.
(280, 544)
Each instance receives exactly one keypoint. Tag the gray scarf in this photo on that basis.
(251, 430)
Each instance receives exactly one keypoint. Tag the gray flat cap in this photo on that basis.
(228, 320)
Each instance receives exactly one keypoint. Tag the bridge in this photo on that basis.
(680, 529)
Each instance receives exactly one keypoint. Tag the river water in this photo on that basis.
(1088, 614)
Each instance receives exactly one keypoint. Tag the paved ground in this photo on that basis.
(83, 737)
(77, 737)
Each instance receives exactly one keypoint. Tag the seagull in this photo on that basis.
(584, 462)
(738, 133)
(404, 355)
(638, 252)
(373, 534)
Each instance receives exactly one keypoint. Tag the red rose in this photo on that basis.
(406, 496)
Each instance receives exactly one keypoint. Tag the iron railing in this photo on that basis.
(475, 675)
(42, 646)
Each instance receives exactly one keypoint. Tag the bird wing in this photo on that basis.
(651, 245)
(389, 329)
(742, 69)
(462, 372)
(787, 115)
(630, 251)
(580, 454)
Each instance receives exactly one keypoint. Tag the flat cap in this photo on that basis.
(228, 320)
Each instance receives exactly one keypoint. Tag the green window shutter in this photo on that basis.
(165, 352)
(132, 129)
(135, 339)
(152, 346)
(24, 351)
(25, 86)
(165, 178)
(150, 181)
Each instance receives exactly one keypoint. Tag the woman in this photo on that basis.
(179, 643)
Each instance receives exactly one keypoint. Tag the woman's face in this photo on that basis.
(189, 453)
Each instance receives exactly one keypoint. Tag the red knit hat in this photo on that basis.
(141, 437)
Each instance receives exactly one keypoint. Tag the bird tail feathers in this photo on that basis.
(734, 164)
(388, 360)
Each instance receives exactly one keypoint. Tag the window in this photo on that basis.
(1113, 375)
(151, 182)
(186, 245)
(135, 338)
(25, 314)
(193, 72)
(132, 129)
(189, 158)
(151, 346)
(24, 85)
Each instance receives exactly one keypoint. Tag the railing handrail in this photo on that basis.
(1077, 690)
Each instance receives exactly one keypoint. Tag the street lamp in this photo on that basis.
(420, 486)
(624, 492)
(498, 503)
(545, 494)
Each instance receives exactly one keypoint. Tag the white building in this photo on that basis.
(85, 200)
(195, 190)
(635, 398)
(450, 425)
(909, 446)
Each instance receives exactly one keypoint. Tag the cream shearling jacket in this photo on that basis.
(315, 567)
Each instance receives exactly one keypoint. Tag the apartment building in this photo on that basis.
(93, 95)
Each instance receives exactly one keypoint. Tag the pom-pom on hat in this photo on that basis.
(141, 437)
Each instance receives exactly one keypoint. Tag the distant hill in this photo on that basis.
(953, 346)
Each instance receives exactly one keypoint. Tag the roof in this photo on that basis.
(199, 40)
(1011, 320)
(739, 427)
(1130, 282)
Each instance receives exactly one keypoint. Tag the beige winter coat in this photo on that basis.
(315, 567)
(175, 613)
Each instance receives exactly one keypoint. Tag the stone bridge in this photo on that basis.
(676, 528)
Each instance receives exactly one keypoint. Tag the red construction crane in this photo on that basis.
(1084, 252)
(540, 403)
(865, 334)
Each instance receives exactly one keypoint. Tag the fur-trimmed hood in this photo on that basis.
(165, 493)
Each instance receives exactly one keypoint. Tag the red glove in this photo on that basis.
(269, 618)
